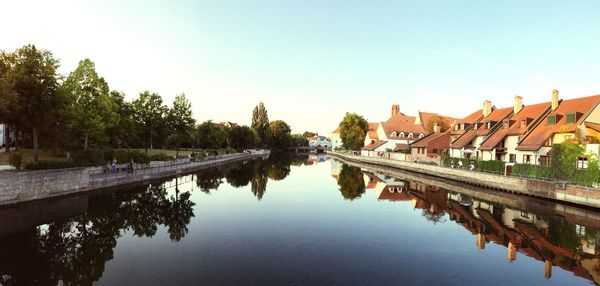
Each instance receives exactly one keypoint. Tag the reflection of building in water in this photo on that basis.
(550, 239)
(336, 168)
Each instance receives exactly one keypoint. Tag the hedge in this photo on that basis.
(532, 171)
(98, 157)
(494, 166)
(50, 164)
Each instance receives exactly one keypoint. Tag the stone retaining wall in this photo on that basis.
(18, 187)
(542, 189)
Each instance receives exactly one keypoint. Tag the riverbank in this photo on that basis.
(17, 187)
(548, 190)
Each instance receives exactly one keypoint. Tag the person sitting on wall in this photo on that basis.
(452, 164)
(460, 164)
(472, 167)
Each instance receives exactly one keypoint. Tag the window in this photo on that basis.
(571, 118)
(475, 127)
(526, 159)
(401, 134)
(523, 123)
(512, 158)
(545, 160)
(421, 135)
(582, 162)
(394, 134)
(489, 125)
(410, 135)
(456, 127)
(524, 215)
(580, 230)
(505, 124)
(552, 120)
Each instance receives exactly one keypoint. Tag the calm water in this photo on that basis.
(299, 221)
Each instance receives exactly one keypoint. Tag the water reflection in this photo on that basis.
(75, 250)
(70, 240)
(557, 237)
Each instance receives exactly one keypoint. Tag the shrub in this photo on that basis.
(50, 164)
(88, 158)
(532, 171)
(494, 166)
(16, 160)
(160, 157)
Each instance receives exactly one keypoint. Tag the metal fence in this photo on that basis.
(172, 167)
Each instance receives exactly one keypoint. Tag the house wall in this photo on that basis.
(594, 116)
(381, 133)
(336, 141)
(2, 130)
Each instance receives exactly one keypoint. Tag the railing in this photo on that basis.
(144, 171)
(561, 183)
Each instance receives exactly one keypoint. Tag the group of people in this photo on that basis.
(459, 165)
(113, 167)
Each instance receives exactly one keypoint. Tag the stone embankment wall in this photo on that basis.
(18, 187)
(541, 189)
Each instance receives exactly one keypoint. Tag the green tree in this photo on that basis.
(149, 114)
(242, 137)
(279, 134)
(124, 132)
(211, 135)
(8, 106)
(351, 182)
(298, 140)
(353, 130)
(34, 98)
(91, 111)
(439, 121)
(181, 121)
(260, 123)
(307, 134)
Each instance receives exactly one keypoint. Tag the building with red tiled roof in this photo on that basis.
(429, 148)
(466, 144)
(336, 140)
(400, 130)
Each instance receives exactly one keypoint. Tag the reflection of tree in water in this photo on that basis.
(240, 175)
(351, 182)
(76, 250)
(280, 166)
(209, 179)
(260, 179)
(434, 215)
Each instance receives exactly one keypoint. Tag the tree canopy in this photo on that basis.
(260, 123)
(353, 130)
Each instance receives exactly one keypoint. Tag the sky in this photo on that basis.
(310, 62)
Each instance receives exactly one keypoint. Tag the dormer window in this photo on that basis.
(523, 123)
(505, 124)
(475, 127)
(401, 134)
(489, 125)
(410, 135)
(456, 127)
(571, 117)
(551, 119)
(394, 134)
(421, 135)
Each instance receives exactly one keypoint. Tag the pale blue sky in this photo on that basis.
(311, 61)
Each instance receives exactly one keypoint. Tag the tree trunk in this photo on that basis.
(6, 138)
(86, 140)
(151, 135)
(36, 147)
(17, 139)
(177, 151)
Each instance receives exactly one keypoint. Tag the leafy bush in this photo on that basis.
(50, 164)
(494, 166)
(160, 157)
(532, 171)
(16, 160)
(88, 158)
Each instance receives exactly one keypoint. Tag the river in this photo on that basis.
(299, 221)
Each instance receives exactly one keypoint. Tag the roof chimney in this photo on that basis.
(487, 108)
(554, 99)
(395, 109)
(436, 128)
(518, 104)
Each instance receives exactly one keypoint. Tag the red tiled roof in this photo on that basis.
(423, 142)
(540, 133)
(528, 113)
(395, 196)
(496, 116)
(471, 118)
(373, 145)
(401, 147)
(373, 130)
(403, 123)
(593, 126)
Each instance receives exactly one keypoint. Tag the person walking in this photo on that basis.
(114, 166)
